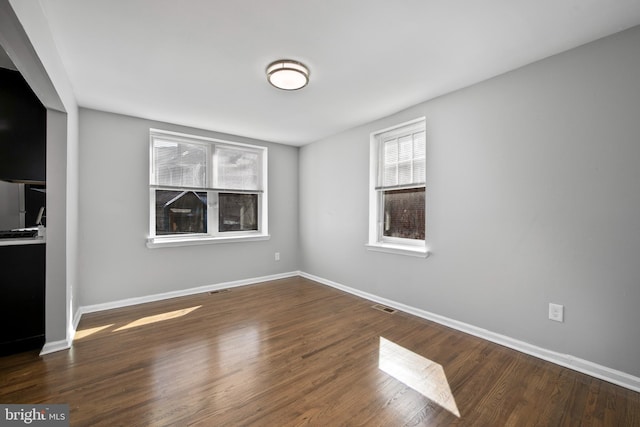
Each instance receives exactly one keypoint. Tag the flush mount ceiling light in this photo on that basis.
(286, 74)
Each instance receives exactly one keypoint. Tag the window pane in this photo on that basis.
(404, 213)
(238, 212)
(419, 145)
(181, 212)
(237, 169)
(405, 175)
(390, 163)
(391, 151)
(390, 174)
(419, 172)
(179, 163)
(406, 148)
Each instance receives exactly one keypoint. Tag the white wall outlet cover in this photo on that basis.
(556, 312)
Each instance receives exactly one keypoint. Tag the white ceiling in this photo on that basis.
(201, 63)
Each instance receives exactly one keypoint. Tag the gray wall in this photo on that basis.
(58, 289)
(533, 197)
(114, 262)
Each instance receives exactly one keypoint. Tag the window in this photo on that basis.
(397, 202)
(204, 190)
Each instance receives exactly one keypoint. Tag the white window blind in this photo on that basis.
(211, 166)
(402, 158)
(179, 164)
(236, 169)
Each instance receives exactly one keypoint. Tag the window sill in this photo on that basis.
(415, 251)
(168, 242)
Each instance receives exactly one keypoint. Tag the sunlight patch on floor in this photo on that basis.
(158, 318)
(421, 374)
(90, 331)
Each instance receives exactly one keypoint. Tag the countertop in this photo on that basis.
(37, 240)
(25, 241)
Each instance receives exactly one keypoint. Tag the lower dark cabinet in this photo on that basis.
(22, 291)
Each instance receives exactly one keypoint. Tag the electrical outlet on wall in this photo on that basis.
(277, 256)
(556, 312)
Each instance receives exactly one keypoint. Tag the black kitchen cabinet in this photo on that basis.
(23, 130)
(22, 292)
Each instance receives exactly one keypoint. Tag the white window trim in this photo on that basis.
(378, 243)
(170, 241)
(154, 241)
(416, 251)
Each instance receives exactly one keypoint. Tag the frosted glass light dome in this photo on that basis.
(287, 74)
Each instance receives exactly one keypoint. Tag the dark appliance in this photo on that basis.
(23, 131)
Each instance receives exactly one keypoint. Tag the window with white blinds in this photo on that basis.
(397, 205)
(202, 188)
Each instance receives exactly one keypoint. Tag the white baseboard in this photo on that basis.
(52, 347)
(76, 321)
(174, 294)
(584, 366)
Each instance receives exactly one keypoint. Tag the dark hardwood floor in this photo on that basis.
(294, 352)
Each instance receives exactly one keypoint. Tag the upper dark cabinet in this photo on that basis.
(23, 130)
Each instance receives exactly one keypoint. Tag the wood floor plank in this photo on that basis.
(293, 352)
